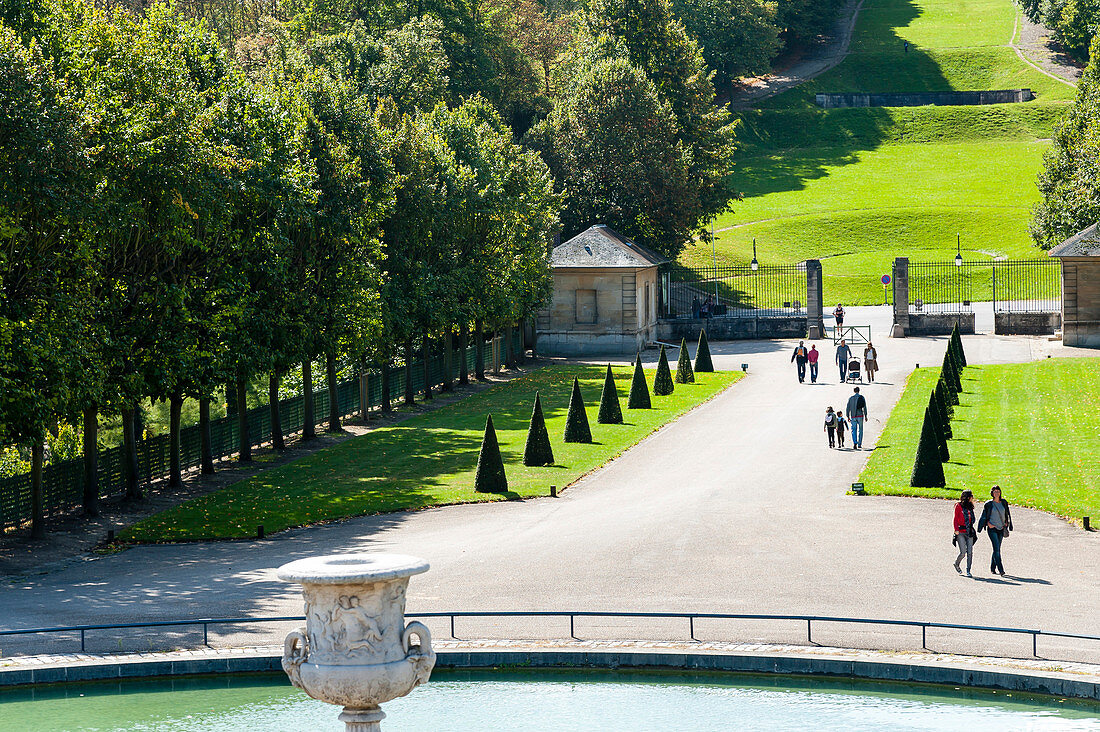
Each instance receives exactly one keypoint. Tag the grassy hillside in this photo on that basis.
(860, 186)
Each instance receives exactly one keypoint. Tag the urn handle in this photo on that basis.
(420, 631)
(295, 653)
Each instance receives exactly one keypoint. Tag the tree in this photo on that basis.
(945, 396)
(1069, 185)
(639, 391)
(928, 468)
(576, 421)
(738, 37)
(940, 410)
(662, 382)
(490, 477)
(960, 354)
(703, 363)
(951, 372)
(610, 411)
(684, 374)
(537, 451)
(941, 440)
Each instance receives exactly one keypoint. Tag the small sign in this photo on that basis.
(857, 488)
(886, 279)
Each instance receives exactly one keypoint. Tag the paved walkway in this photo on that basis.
(737, 507)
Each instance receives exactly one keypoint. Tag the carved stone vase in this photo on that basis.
(355, 649)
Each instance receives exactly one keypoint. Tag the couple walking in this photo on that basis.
(996, 519)
(853, 417)
(846, 359)
(801, 358)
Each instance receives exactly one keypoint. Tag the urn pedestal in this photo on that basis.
(355, 649)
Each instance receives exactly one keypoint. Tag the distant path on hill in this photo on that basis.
(818, 59)
(1035, 48)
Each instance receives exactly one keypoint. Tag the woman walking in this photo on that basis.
(964, 530)
(870, 361)
(841, 425)
(830, 426)
(997, 518)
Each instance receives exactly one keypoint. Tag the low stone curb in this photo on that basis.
(1071, 680)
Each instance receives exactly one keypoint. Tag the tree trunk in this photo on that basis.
(510, 347)
(333, 400)
(230, 399)
(91, 460)
(38, 491)
(364, 393)
(175, 468)
(129, 453)
(522, 355)
(386, 408)
(244, 444)
(463, 342)
(449, 360)
(273, 382)
(479, 351)
(426, 356)
(409, 393)
(206, 442)
(497, 343)
(309, 430)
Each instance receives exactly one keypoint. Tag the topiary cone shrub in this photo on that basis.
(684, 374)
(662, 382)
(957, 344)
(639, 392)
(952, 372)
(945, 400)
(537, 451)
(703, 364)
(941, 413)
(927, 468)
(490, 476)
(576, 422)
(610, 411)
(941, 441)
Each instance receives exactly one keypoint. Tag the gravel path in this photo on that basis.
(1035, 47)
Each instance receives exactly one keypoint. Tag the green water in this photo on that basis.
(572, 700)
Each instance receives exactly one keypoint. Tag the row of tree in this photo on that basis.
(1073, 23)
(932, 449)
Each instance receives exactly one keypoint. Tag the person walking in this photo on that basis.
(838, 315)
(857, 415)
(998, 520)
(812, 358)
(870, 361)
(830, 426)
(841, 425)
(964, 530)
(843, 354)
(800, 356)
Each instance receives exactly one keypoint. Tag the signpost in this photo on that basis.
(885, 293)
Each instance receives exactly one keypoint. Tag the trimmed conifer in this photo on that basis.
(662, 382)
(941, 441)
(684, 374)
(490, 477)
(610, 411)
(639, 391)
(954, 345)
(927, 468)
(941, 410)
(949, 392)
(952, 372)
(576, 422)
(941, 392)
(537, 451)
(703, 364)
(959, 347)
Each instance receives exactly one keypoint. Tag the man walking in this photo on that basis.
(843, 353)
(812, 358)
(799, 357)
(857, 415)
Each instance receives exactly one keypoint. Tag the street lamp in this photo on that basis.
(958, 252)
(755, 265)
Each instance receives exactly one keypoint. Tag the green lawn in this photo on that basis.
(858, 187)
(428, 460)
(1032, 428)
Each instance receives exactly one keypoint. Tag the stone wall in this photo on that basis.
(928, 324)
(732, 329)
(618, 314)
(1081, 302)
(920, 99)
(1026, 323)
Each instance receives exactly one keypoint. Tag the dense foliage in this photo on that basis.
(1073, 23)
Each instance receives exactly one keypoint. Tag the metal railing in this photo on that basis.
(944, 287)
(734, 291)
(572, 615)
(1027, 286)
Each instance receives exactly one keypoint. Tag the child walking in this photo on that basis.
(830, 426)
(841, 425)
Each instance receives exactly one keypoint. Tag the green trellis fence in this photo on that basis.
(63, 483)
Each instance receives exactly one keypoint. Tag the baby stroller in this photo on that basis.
(854, 373)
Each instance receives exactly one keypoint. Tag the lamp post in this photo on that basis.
(755, 265)
(958, 251)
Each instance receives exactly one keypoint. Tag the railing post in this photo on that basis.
(453, 628)
(691, 626)
(809, 631)
(571, 633)
(81, 640)
(924, 637)
(1035, 645)
(205, 636)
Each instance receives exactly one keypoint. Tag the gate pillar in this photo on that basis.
(815, 320)
(901, 298)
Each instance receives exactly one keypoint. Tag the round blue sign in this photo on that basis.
(886, 279)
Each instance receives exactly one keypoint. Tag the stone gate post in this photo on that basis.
(815, 320)
(901, 297)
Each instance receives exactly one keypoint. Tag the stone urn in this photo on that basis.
(355, 649)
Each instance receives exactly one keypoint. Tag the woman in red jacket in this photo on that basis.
(964, 530)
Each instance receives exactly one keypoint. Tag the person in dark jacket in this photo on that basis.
(998, 520)
(964, 530)
(799, 357)
(843, 355)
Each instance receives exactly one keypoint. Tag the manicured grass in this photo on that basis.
(429, 460)
(1032, 428)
